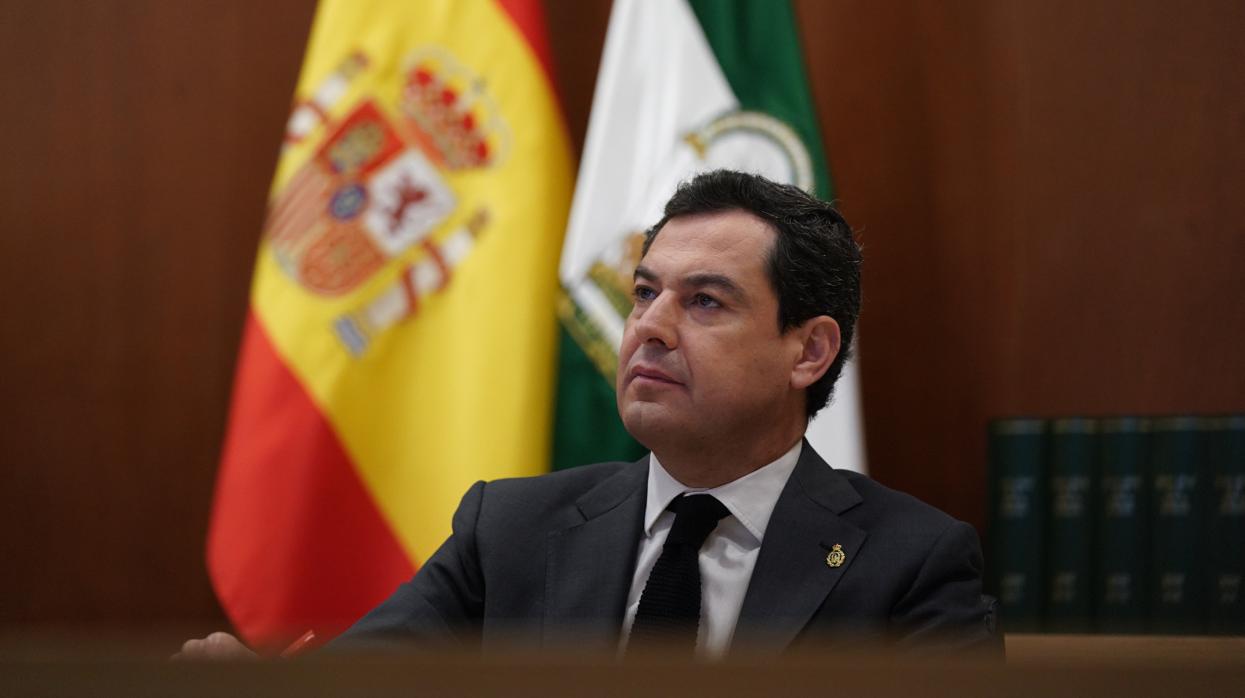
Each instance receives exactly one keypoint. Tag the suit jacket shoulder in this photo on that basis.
(907, 572)
(526, 557)
(890, 512)
(550, 501)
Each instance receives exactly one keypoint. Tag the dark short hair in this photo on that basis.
(814, 267)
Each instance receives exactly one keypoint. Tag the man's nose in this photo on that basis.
(659, 321)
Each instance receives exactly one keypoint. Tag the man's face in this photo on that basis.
(702, 358)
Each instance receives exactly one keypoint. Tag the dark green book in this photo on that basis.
(1016, 528)
(1177, 501)
(1121, 530)
(1225, 558)
(1070, 540)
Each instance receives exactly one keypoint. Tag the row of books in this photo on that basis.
(1118, 525)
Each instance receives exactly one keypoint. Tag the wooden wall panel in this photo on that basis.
(1048, 194)
(139, 140)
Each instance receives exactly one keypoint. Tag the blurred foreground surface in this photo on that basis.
(47, 665)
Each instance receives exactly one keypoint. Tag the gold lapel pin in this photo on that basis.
(836, 556)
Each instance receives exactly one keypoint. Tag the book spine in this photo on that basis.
(1017, 484)
(1177, 565)
(1225, 461)
(1069, 542)
(1121, 530)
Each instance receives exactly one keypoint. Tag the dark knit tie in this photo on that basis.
(669, 609)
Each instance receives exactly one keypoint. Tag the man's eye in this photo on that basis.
(704, 301)
(644, 293)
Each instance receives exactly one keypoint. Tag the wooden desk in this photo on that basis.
(1037, 665)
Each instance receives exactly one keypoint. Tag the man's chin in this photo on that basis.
(651, 423)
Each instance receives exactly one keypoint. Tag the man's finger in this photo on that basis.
(218, 645)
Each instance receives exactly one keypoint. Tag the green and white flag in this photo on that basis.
(685, 86)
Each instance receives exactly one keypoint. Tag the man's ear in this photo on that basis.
(821, 342)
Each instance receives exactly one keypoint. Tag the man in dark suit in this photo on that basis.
(733, 534)
(547, 562)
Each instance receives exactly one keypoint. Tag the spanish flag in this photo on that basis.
(401, 333)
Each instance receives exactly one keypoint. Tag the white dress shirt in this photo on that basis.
(730, 552)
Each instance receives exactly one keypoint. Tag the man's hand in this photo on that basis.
(217, 646)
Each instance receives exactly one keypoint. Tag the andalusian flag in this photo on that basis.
(400, 341)
(683, 87)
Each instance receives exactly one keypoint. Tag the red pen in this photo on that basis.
(298, 645)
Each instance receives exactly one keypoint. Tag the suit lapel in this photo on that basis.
(792, 577)
(591, 563)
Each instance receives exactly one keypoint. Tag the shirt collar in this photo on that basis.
(751, 498)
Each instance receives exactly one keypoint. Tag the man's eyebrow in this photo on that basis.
(721, 282)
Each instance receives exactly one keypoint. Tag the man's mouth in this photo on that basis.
(649, 373)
